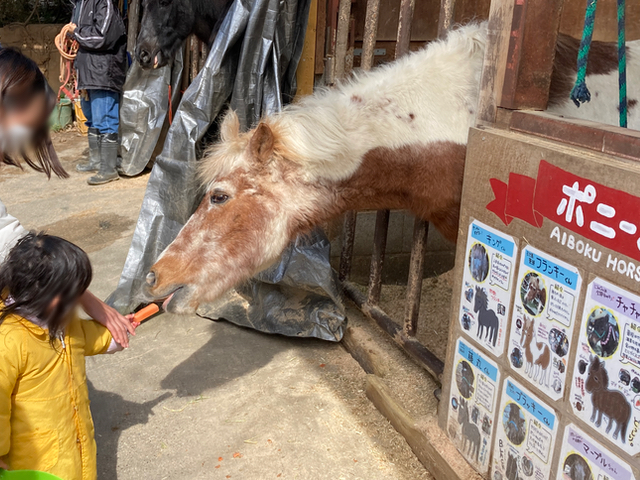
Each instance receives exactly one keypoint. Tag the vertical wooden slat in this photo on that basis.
(305, 74)
(321, 36)
(445, 19)
(133, 16)
(531, 51)
(495, 60)
(195, 56)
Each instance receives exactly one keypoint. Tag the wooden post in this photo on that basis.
(495, 60)
(134, 20)
(532, 47)
(195, 56)
(305, 74)
(321, 36)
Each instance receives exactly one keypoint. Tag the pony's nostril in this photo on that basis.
(144, 56)
(151, 279)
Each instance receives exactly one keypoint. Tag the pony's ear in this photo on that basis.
(230, 127)
(261, 143)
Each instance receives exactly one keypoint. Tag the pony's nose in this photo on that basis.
(151, 278)
(144, 57)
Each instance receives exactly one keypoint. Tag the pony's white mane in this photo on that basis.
(426, 96)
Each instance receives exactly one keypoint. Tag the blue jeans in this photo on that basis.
(102, 110)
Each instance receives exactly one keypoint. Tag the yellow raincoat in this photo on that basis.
(45, 421)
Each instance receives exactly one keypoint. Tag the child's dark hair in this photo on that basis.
(39, 269)
(20, 80)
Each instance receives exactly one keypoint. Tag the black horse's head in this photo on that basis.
(165, 25)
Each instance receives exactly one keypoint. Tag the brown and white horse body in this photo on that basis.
(394, 138)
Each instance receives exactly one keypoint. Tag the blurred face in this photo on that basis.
(17, 125)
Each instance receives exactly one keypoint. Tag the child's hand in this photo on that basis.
(131, 319)
(117, 324)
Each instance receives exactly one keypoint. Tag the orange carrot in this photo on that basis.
(146, 312)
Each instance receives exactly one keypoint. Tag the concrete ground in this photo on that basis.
(196, 399)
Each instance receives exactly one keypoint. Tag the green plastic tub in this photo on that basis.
(61, 116)
(26, 475)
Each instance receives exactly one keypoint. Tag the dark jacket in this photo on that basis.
(102, 57)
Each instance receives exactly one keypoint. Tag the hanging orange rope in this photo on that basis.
(68, 49)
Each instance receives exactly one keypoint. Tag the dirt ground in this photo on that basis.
(197, 399)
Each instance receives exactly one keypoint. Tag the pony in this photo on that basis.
(577, 468)
(536, 291)
(537, 354)
(603, 333)
(392, 138)
(611, 403)
(511, 473)
(470, 433)
(166, 24)
(487, 318)
(465, 379)
(514, 427)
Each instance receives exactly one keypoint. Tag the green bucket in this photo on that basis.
(61, 116)
(26, 475)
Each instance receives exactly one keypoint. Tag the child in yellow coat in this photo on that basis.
(45, 421)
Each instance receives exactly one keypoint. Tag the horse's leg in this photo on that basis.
(617, 429)
(593, 414)
(615, 433)
(599, 421)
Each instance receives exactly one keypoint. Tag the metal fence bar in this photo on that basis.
(445, 19)
(342, 38)
(420, 227)
(422, 355)
(377, 256)
(416, 272)
(404, 27)
(348, 237)
(402, 334)
(368, 47)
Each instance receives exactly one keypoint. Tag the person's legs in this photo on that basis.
(106, 118)
(94, 146)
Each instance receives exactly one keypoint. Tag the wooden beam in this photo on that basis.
(133, 16)
(364, 351)
(495, 60)
(305, 74)
(432, 447)
(321, 36)
(531, 51)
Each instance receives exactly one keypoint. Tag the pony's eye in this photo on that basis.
(219, 198)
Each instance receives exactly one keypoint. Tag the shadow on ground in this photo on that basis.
(112, 415)
(230, 353)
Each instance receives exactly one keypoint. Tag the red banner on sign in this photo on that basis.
(603, 214)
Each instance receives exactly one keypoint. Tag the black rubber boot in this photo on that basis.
(93, 165)
(108, 160)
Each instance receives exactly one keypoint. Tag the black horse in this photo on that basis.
(167, 23)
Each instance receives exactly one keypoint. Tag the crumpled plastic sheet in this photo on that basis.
(251, 66)
(143, 112)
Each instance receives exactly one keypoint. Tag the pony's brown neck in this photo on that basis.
(425, 179)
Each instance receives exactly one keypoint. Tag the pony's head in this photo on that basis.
(534, 289)
(481, 299)
(165, 25)
(255, 203)
(527, 331)
(597, 377)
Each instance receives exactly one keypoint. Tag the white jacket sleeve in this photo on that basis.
(10, 232)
